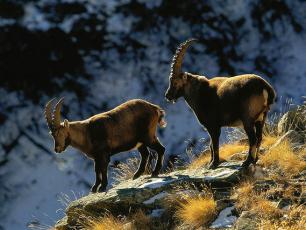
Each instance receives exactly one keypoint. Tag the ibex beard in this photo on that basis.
(130, 125)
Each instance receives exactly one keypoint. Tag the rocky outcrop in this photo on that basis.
(294, 119)
(146, 193)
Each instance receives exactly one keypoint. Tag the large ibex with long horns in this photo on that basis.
(130, 125)
(242, 100)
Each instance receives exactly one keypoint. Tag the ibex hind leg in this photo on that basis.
(144, 152)
(160, 149)
(249, 128)
(259, 129)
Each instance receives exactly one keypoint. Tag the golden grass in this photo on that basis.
(265, 209)
(283, 158)
(106, 223)
(268, 140)
(295, 219)
(227, 150)
(245, 193)
(248, 199)
(140, 220)
(268, 215)
(196, 212)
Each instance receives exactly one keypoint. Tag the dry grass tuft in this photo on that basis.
(249, 199)
(108, 222)
(266, 209)
(294, 219)
(245, 193)
(284, 159)
(196, 212)
(140, 220)
(267, 213)
(227, 150)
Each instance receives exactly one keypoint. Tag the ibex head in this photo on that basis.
(177, 79)
(59, 130)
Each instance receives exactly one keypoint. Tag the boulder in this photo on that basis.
(146, 193)
(294, 119)
(246, 221)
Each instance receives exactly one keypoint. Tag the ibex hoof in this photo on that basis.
(94, 189)
(136, 176)
(154, 174)
(213, 165)
(247, 163)
(102, 189)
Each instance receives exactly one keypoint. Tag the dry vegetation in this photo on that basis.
(228, 150)
(106, 223)
(283, 166)
(266, 211)
(283, 160)
(190, 206)
(138, 220)
(196, 212)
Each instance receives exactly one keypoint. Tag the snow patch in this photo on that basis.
(157, 212)
(156, 197)
(225, 219)
(157, 183)
(222, 173)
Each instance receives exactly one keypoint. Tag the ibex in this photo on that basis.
(130, 125)
(242, 100)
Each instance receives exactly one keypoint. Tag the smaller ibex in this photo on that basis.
(242, 100)
(130, 125)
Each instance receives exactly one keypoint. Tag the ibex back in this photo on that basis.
(131, 125)
(242, 100)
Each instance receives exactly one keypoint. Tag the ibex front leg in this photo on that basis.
(104, 166)
(214, 147)
(97, 163)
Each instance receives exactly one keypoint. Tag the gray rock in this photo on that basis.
(146, 193)
(294, 119)
(246, 221)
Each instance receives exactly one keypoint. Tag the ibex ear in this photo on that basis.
(66, 123)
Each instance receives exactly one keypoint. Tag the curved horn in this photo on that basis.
(48, 113)
(57, 113)
(178, 57)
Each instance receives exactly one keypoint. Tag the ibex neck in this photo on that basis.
(78, 136)
(195, 85)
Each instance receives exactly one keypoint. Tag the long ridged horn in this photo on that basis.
(57, 113)
(178, 57)
(48, 114)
